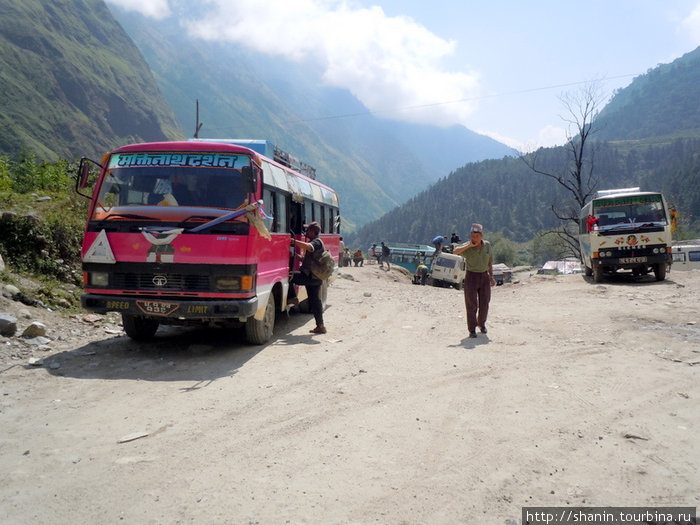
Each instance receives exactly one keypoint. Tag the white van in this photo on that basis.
(685, 257)
(448, 269)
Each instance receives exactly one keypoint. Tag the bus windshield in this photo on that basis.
(636, 209)
(173, 179)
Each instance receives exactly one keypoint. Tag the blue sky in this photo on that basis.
(499, 68)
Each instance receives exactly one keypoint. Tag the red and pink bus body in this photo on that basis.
(198, 232)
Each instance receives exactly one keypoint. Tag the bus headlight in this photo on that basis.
(234, 283)
(99, 278)
(656, 250)
(228, 283)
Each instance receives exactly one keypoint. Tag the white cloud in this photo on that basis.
(691, 24)
(548, 136)
(551, 136)
(157, 9)
(508, 141)
(391, 64)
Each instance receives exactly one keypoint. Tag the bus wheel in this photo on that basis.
(598, 273)
(260, 332)
(660, 271)
(587, 271)
(139, 328)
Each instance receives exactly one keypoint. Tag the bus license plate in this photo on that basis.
(632, 260)
(156, 307)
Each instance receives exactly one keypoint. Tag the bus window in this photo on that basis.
(296, 216)
(269, 205)
(281, 218)
(322, 222)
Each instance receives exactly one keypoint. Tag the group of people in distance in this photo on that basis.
(345, 259)
(477, 252)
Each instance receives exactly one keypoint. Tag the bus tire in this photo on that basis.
(139, 328)
(587, 271)
(660, 271)
(598, 273)
(258, 332)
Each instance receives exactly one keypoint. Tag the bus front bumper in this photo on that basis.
(170, 307)
(632, 262)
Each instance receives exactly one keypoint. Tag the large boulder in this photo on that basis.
(36, 329)
(8, 325)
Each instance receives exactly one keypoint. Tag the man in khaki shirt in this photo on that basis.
(477, 284)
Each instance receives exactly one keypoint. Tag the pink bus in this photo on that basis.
(198, 232)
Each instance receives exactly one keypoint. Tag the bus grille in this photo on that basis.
(161, 282)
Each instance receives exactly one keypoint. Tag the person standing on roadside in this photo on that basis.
(304, 277)
(478, 255)
(386, 253)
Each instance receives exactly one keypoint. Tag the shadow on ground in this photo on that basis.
(175, 354)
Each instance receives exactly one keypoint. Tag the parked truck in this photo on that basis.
(625, 229)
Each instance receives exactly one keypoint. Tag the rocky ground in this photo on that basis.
(580, 394)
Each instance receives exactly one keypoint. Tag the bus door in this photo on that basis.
(296, 228)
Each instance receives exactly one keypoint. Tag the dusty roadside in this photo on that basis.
(580, 394)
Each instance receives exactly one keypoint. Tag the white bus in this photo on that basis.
(625, 229)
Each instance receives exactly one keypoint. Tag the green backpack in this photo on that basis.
(324, 266)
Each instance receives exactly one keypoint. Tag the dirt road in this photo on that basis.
(580, 394)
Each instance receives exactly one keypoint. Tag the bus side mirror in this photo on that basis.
(250, 180)
(83, 176)
(84, 172)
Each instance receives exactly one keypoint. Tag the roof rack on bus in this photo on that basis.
(286, 159)
(270, 150)
(605, 193)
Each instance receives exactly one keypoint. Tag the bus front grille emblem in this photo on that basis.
(160, 280)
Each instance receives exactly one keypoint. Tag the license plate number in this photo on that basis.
(156, 307)
(632, 260)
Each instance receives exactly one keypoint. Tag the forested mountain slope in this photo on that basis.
(73, 82)
(507, 197)
(656, 146)
(664, 101)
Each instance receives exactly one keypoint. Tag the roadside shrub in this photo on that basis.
(40, 237)
(5, 175)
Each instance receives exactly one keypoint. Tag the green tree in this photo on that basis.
(504, 250)
(547, 246)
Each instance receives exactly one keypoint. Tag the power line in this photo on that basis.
(444, 103)
(470, 99)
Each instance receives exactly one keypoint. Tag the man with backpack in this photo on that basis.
(312, 252)
(386, 252)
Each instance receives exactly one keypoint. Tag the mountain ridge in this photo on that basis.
(67, 91)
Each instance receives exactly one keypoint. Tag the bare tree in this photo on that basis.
(577, 176)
